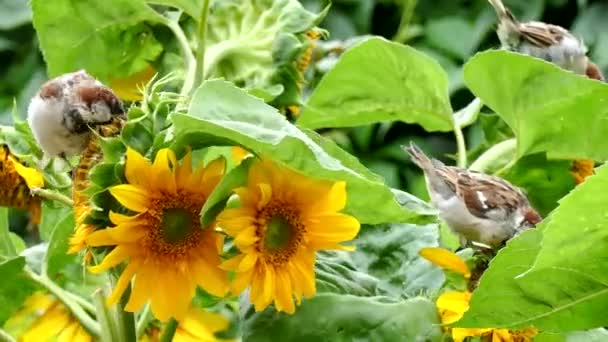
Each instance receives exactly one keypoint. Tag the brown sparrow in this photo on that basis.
(62, 111)
(479, 208)
(552, 43)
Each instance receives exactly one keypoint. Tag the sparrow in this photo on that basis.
(479, 208)
(63, 110)
(551, 43)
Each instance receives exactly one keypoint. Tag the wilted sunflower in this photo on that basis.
(167, 251)
(16, 182)
(51, 321)
(284, 219)
(91, 156)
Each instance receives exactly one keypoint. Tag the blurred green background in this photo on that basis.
(450, 31)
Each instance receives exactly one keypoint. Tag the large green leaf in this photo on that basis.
(378, 80)
(56, 257)
(499, 301)
(571, 259)
(548, 108)
(109, 38)
(390, 253)
(559, 284)
(332, 317)
(222, 114)
(16, 286)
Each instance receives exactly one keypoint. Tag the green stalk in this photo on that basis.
(87, 322)
(462, 147)
(125, 320)
(108, 332)
(498, 152)
(53, 196)
(5, 337)
(201, 35)
(169, 332)
(187, 54)
(144, 319)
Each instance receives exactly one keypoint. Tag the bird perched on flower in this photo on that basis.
(545, 41)
(478, 207)
(63, 109)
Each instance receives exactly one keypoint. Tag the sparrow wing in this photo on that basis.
(487, 196)
(541, 34)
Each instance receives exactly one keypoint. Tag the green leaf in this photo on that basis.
(52, 213)
(107, 38)
(499, 301)
(17, 242)
(549, 109)
(545, 181)
(217, 199)
(574, 284)
(16, 286)
(6, 246)
(378, 80)
(56, 257)
(332, 317)
(335, 272)
(222, 114)
(390, 253)
(190, 7)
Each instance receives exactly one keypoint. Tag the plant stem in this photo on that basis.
(87, 322)
(491, 157)
(144, 319)
(169, 332)
(462, 147)
(53, 196)
(82, 302)
(201, 36)
(108, 333)
(125, 320)
(5, 337)
(406, 17)
(187, 54)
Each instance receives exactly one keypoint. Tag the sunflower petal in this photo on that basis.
(33, 178)
(130, 196)
(123, 281)
(137, 168)
(335, 227)
(446, 260)
(115, 257)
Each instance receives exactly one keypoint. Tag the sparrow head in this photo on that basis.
(531, 218)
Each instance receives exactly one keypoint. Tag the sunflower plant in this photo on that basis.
(238, 200)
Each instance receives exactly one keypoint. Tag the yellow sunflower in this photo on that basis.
(16, 183)
(167, 251)
(52, 321)
(200, 325)
(283, 220)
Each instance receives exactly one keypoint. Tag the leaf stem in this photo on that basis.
(108, 331)
(496, 153)
(125, 320)
(199, 71)
(406, 17)
(5, 337)
(461, 144)
(82, 302)
(53, 196)
(186, 51)
(169, 332)
(144, 319)
(87, 322)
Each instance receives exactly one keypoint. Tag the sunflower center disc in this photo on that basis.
(176, 224)
(278, 233)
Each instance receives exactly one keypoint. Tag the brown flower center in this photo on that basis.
(174, 224)
(280, 232)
